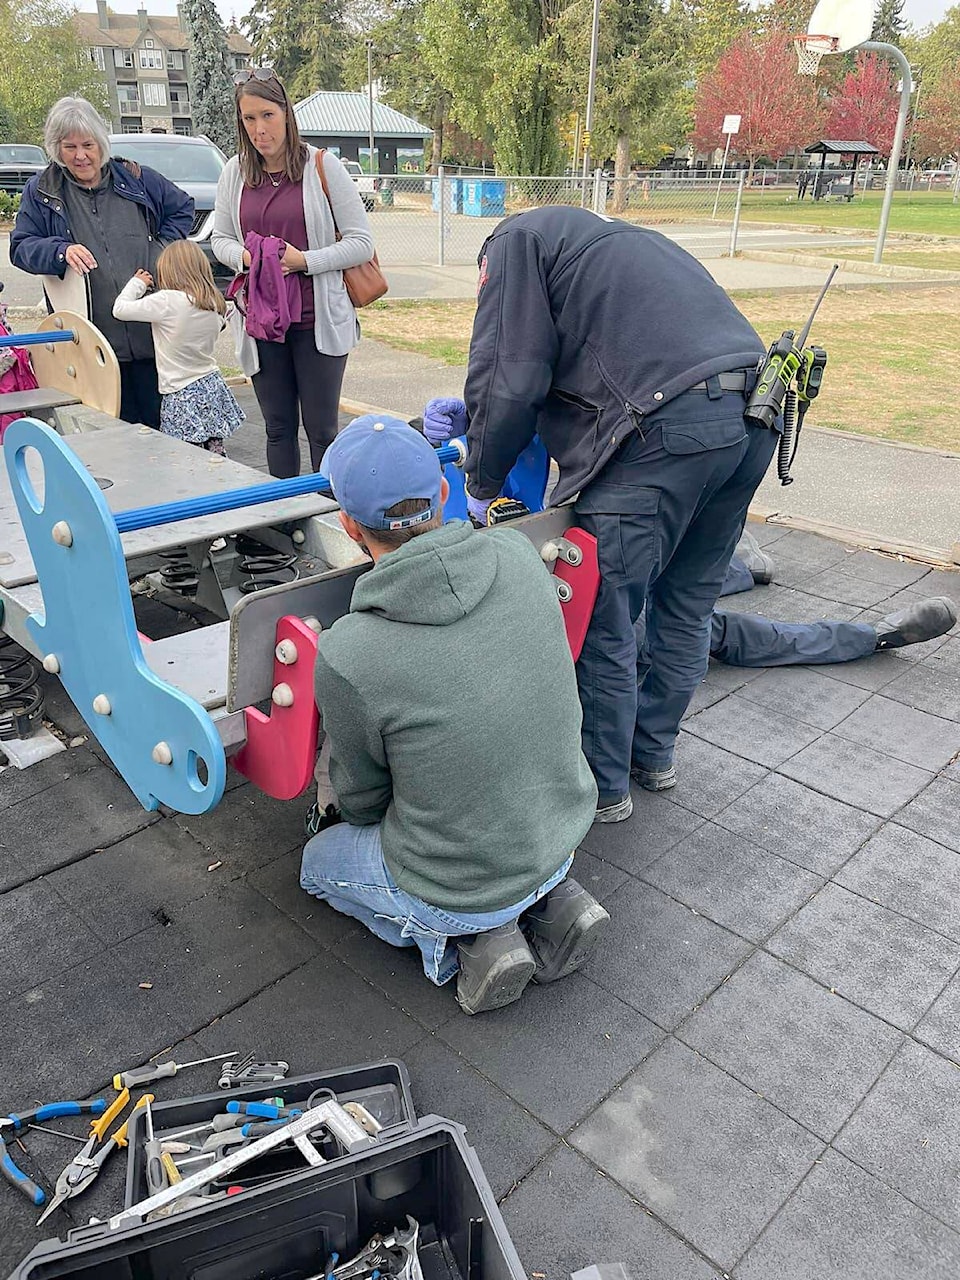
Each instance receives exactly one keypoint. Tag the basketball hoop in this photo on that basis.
(810, 49)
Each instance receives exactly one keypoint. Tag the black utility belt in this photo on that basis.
(736, 381)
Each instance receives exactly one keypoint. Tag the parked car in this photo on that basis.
(19, 161)
(938, 177)
(367, 184)
(194, 164)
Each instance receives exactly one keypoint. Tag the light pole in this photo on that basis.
(913, 124)
(591, 88)
(369, 44)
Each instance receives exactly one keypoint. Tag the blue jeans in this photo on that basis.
(344, 866)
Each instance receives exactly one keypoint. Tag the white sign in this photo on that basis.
(731, 124)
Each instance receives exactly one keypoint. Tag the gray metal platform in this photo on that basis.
(145, 467)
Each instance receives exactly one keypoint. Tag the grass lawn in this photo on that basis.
(925, 212)
(892, 353)
(902, 253)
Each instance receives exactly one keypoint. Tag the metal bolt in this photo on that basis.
(62, 534)
(101, 705)
(564, 591)
(282, 695)
(161, 753)
(71, 371)
(286, 652)
(51, 663)
(569, 551)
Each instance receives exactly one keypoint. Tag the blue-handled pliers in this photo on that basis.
(16, 1123)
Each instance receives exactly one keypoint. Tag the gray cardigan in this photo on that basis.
(336, 330)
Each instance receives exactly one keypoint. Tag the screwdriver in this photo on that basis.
(155, 1171)
(150, 1072)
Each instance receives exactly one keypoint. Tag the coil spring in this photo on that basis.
(263, 567)
(21, 698)
(178, 573)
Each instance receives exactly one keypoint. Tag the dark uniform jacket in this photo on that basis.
(584, 326)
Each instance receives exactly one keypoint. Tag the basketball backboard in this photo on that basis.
(851, 21)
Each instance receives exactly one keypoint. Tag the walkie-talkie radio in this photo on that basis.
(790, 378)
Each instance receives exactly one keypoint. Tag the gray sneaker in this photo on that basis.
(562, 928)
(494, 969)
(655, 779)
(755, 558)
(619, 811)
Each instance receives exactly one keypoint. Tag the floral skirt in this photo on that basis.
(203, 410)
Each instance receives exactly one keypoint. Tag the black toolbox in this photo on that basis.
(382, 1087)
(287, 1229)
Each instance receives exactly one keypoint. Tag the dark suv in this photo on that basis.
(19, 161)
(194, 164)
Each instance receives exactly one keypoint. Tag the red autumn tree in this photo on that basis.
(865, 106)
(757, 80)
(938, 130)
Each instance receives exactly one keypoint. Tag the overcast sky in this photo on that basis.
(917, 12)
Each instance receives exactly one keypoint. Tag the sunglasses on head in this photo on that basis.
(255, 73)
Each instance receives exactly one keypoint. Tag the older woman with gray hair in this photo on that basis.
(104, 219)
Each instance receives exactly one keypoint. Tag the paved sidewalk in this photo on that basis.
(757, 1076)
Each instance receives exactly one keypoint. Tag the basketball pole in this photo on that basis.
(893, 164)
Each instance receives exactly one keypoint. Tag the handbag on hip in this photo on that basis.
(366, 282)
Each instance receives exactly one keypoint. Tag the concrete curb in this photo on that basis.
(923, 237)
(936, 557)
(921, 275)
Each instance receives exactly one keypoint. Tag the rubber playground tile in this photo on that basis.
(733, 882)
(398, 973)
(940, 1028)
(40, 934)
(888, 570)
(946, 658)
(811, 549)
(655, 826)
(599, 877)
(809, 1052)
(320, 1015)
(813, 830)
(21, 784)
(149, 878)
(566, 1215)
(856, 774)
(846, 588)
(842, 1222)
(526, 1047)
(667, 958)
(248, 829)
(279, 882)
(766, 533)
(508, 1140)
(752, 732)
(926, 689)
(804, 695)
(786, 604)
(872, 673)
(909, 874)
(87, 811)
(709, 778)
(914, 737)
(699, 1149)
(881, 961)
(907, 1131)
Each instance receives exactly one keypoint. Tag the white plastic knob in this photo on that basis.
(62, 534)
(549, 552)
(286, 652)
(101, 705)
(51, 663)
(313, 623)
(298, 537)
(282, 695)
(161, 753)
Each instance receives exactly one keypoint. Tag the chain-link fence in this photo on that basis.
(444, 220)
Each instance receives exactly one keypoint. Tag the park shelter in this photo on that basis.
(341, 122)
(838, 147)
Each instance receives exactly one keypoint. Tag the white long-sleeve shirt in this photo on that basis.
(184, 337)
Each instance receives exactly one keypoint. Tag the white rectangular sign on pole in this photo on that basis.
(731, 124)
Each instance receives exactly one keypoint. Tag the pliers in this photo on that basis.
(49, 1111)
(86, 1165)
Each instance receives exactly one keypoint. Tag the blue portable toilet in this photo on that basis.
(452, 195)
(484, 197)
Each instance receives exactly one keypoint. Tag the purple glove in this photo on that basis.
(477, 510)
(443, 419)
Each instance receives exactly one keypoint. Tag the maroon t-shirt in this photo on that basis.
(278, 211)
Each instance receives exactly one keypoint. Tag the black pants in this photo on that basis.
(294, 380)
(139, 395)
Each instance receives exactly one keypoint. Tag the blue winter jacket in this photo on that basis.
(41, 236)
(585, 325)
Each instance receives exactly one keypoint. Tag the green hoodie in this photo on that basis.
(449, 695)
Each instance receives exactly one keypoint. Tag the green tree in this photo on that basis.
(498, 60)
(304, 40)
(714, 25)
(211, 86)
(788, 17)
(43, 60)
(936, 50)
(889, 23)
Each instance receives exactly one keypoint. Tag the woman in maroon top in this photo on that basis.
(273, 187)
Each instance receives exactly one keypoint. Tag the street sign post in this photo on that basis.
(731, 125)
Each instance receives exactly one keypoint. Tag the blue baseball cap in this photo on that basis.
(376, 462)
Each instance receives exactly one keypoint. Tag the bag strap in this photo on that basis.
(326, 190)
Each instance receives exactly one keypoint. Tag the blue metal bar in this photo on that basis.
(252, 496)
(35, 339)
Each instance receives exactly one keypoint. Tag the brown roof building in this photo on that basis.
(146, 67)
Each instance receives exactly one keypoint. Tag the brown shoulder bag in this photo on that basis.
(366, 282)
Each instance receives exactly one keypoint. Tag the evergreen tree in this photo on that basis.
(715, 24)
(888, 22)
(211, 86)
(304, 40)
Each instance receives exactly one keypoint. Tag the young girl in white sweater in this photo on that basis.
(187, 316)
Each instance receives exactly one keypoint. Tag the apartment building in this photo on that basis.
(146, 66)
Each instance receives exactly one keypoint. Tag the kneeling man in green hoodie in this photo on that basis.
(449, 697)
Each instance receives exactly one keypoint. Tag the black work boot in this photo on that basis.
(755, 558)
(494, 969)
(562, 928)
(924, 620)
(655, 779)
